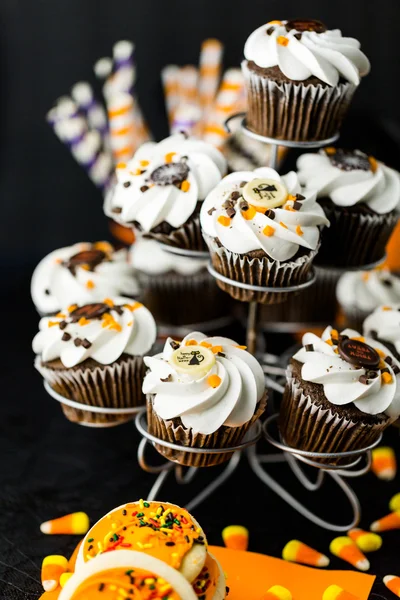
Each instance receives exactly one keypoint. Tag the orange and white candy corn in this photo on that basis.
(393, 584)
(384, 463)
(236, 537)
(343, 547)
(390, 521)
(73, 524)
(394, 503)
(296, 551)
(335, 592)
(52, 568)
(365, 540)
(278, 592)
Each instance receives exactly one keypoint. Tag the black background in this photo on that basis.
(49, 466)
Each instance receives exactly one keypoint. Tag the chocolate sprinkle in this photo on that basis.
(86, 344)
(144, 188)
(47, 292)
(66, 337)
(297, 205)
(373, 334)
(210, 212)
(174, 345)
(309, 347)
(235, 195)
(116, 210)
(231, 212)
(270, 30)
(387, 282)
(242, 183)
(298, 36)
(244, 206)
(363, 379)
(270, 214)
(77, 342)
(62, 325)
(300, 197)
(395, 369)
(127, 184)
(389, 360)
(166, 379)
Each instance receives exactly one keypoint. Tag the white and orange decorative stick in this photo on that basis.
(52, 569)
(187, 82)
(384, 463)
(122, 126)
(393, 584)
(170, 82)
(210, 72)
(387, 523)
(186, 119)
(83, 95)
(343, 547)
(296, 551)
(73, 524)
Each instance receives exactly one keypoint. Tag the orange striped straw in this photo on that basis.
(123, 135)
(187, 84)
(225, 105)
(170, 82)
(210, 72)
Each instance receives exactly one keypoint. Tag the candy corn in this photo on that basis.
(393, 584)
(344, 548)
(365, 540)
(394, 503)
(236, 537)
(384, 463)
(73, 524)
(52, 569)
(64, 578)
(296, 551)
(390, 521)
(278, 592)
(334, 592)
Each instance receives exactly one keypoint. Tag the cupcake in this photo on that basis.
(360, 292)
(360, 197)
(342, 392)
(384, 325)
(160, 190)
(128, 574)
(202, 393)
(81, 274)
(174, 287)
(92, 354)
(263, 230)
(300, 79)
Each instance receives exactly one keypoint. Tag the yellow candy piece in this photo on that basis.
(194, 361)
(265, 193)
(335, 592)
(365, 540)
(278, 592)
(53, 567)
(296, 551)
(236, 537)
(343, 547)
(75, 523)
(394, 503)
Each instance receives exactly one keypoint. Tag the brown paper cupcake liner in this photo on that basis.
(295, 111)
(110, 386)
(188, 236)
(354, 239)
(316, 304)
(174, 432)
(176, 299)
(306, 426)
(258, 272)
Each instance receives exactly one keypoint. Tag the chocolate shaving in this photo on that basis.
(77, 342)
(300, 197)
(395, 369)
(270, 214)
(270, 30)
(66, 337)
(386, 282)
(298, 36)
(116, 210)
(373, 334)
(86, 344)
(297, 205)
(244, 205)
(210, 212)
(388, 360)
(144, 188)
(166, 379)
(235, 195)
(227, 204)
(363, 379)
(47, 292)
(127, 184)
(231, 212)
(174, 345)
(62, 324)
(309, 347)
(242, 183)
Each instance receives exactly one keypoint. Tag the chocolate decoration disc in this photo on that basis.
(86, 257)
(90, 311)
(350, 160)
(306, 25)
(170, 174)
(359, 354)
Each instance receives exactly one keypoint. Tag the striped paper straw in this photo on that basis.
(186, 118)
(187, 84)
(82, 93)
(225, 105)
(123, 138)
(170, 82)
(210, 71)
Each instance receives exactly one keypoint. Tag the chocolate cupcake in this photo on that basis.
(174, 287)
(261, 229)
(384, 325)
(342, 392)
(92, 354)
(300, 79)
(360, 197)
(160, 190)
(360, 292)
(202, 393)
(80, 274)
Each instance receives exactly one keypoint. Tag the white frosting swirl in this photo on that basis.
(327, 55)
(148, 256)
(366, 290)
(300, 227)
(141, 196)
(385, 322)
(378, 186)
(127, 329)
(340, 379)
(200, 406)
(55, 285)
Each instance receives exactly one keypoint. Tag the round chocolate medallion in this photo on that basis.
(359, 354)
(350, 160)
(86, 257)
(90, 311)
(170, 174)
(306, 25)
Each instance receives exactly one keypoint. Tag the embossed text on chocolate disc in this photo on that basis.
(359, 354)
(306, 25)
(90, 311)
(86, 257)
(170, 173)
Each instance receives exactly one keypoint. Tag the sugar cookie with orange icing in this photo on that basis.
(127, 575)
(210, 583)
(160, 529)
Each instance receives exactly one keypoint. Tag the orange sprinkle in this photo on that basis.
(185, 186)
(133, 306)
(241, 347)
(365, 276)
(381, 353)
(85, 267)
(373, 163)
(58, 261)
(205, 344)
(283, 225)
(110, 322)
(387, 308)
(169, 157)
(129, 324)
(386, 378)
(72, 307)
(359, 338)
(299, 230)
(329, 342)
(250, 213)
(108, 301)
(52, 323)
(268, 230)
(330, 150)
(282, 40)
(274, 23)
(191, 343)
(216, 349)
(89, 284)
(136, 172)
(83, 321)
(260, 209)
(225, 221)
(121, 165)
(144, 163)
(104, 246)
(60, 315)
(334, 334)
(288, 207)
(214, 381)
